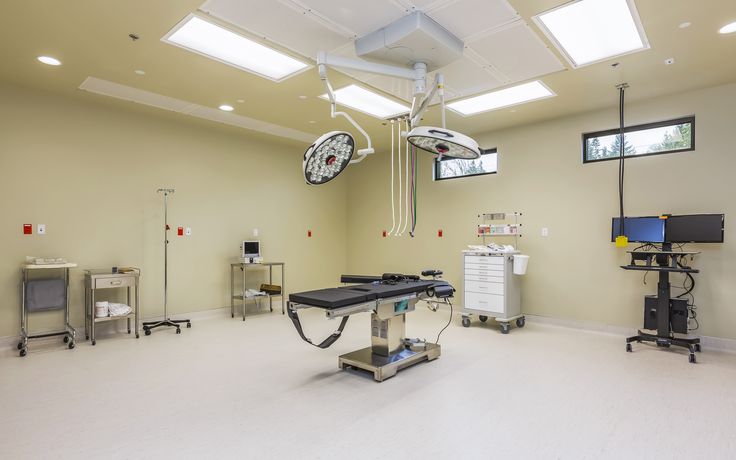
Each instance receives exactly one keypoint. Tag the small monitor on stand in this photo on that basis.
(251, 251)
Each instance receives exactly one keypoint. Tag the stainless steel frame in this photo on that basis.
(68, 332)
(109, 280)
(244, 267)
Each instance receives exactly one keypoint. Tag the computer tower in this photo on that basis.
(678, 314)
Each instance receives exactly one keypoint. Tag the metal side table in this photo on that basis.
(106, 279)
(243, 297)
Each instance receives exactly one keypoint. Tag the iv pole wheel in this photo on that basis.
(189, 325)
(66, 339)
(483, 318)
(692, 358)
(178, 330)
(521, 322)
(71, 345)
(22, 352)
(628, 348)
(20, 345)
(466, 322)
(147, 331)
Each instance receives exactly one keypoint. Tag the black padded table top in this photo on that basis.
(353, 295)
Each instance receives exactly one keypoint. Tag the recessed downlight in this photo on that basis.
(226, 108)
(139, 72)
(240, 101)
(48, 60)
(685, 25)
(728, 28)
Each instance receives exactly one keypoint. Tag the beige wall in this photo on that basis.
(89, 168)
(574, 272)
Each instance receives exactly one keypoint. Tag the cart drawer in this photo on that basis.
(484, 278)
(486, 273)
(483, 287)
(107, 283)
(495, 268)
(485, 260)
(485, 302)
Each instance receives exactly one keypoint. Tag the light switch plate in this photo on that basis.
(188, 231)
(41, 230)
(255, 232)
(545, 231)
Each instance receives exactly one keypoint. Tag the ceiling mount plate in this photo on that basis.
(410, 39)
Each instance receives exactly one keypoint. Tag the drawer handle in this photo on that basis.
(116, 283)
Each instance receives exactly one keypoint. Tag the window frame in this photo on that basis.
(657, 124)
(436, 166)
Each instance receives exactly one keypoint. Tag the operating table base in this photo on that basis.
(384, 367)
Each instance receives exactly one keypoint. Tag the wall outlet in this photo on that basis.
(188, 231)
(41, 229)
(545, 231)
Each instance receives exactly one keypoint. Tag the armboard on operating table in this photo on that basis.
(353, 295)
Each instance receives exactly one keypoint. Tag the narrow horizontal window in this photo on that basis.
(642, 140)
(450, 168)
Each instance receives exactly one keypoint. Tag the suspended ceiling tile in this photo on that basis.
(517, 52)
(466, 18)
(278, 22)
(359, 16)
(466, 77)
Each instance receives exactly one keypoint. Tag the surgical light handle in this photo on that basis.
(362, 153)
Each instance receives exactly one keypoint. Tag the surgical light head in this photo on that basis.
(444, 142)
(328, 157)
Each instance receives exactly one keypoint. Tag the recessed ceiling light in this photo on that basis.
(368, 102)
(140, 72)
(213, 41)
(311, 122)
(685, 25)
(302, 97)
(506, 97)
(669, 61)
(589, 31)
(227, 108)
(48, 60)
(240, 101)
(728, 28)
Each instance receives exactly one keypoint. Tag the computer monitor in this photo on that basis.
(648, 229)
(695, 228)
(251, 249)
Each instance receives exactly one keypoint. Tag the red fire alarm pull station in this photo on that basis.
(28, 229)
(180, 231)
(309, 233)
(439, 233)
(385, 233)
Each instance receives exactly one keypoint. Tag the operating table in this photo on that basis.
(389, 298)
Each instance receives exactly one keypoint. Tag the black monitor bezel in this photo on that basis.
(613, 229)
(723, 228)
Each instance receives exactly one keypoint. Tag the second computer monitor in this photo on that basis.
(251, 249)
(648, 229)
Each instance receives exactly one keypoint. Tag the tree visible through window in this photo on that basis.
(448, 168)
(650, 139)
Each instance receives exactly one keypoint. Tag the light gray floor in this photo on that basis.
(228, 389)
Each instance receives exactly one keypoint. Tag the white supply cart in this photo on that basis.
(47, 294)
(490, 287)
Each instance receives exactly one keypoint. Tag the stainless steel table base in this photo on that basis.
(384, 367)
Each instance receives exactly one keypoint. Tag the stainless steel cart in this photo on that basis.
(68, 332)
(243, 297)
(106, 279)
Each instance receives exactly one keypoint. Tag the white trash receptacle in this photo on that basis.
(102, 309)
(520, 263)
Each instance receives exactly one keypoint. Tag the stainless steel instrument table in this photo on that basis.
(106, 279)
(68, 332)
(244, 268)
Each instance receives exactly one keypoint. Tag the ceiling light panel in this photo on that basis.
(216, 42)
(368, 102)
(589, 31)
(728, 28)
(507, 97)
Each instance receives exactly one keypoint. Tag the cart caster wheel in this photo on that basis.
(521, 322)
(505, 328)
(94, 342)
(137, 335)
(86, 337)
(232, 315)
(628, 348)
(71, 345)
(178, 331)
(189, 325)
(66, 338)
(22, 352)
(466, 322)
(697, 347)
(128, 331)
(20, 345)
(692, 358)
(483, 318)
(147, 331)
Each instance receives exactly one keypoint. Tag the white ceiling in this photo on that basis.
(500, 47)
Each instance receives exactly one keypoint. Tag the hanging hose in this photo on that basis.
(398, 228)
(406, 193)
(393, 208)
(414, 181)
(622, 157)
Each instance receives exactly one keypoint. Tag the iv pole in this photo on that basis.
(166, 322)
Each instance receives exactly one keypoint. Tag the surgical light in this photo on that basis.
(444, 142)
(328, 157)
(216, 42)
(588, 31)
